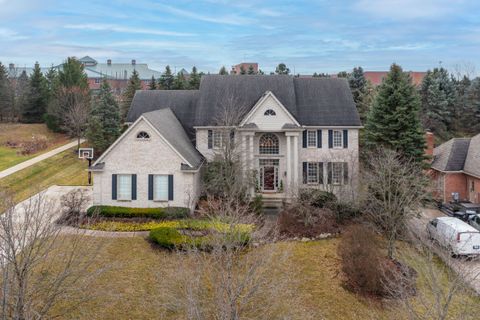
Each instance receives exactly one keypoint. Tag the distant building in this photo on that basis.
(376, 77)
(237, 69)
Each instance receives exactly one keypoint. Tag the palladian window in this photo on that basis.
(268, 144)
(142, 135)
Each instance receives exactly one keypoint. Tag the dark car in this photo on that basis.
(461, 210)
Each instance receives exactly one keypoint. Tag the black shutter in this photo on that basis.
(170, 187)
(232, 139)
(134, 187)
(304, 139)
(345, 138)
(114, 187)
(150, 187)
(320, 173)
(210, 139)
(330, 139)
(319, 138)
(345, 173)
(329, 172)
(304, 172)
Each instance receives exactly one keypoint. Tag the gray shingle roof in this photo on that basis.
(167, 124)
(472, 162)
(121, 71)
(451, 155)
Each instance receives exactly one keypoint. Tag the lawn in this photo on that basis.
(135, 286)
(19, 132)
(62, 169)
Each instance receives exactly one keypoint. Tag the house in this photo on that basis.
(237, 69)
(455, 170)
(291, 132)
(376, 77)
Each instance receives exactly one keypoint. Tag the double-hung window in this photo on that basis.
(217, 139)
(160, 188)
(312, 138)
(124, 187)
(337, 172)
(312, 172)
(337, 139)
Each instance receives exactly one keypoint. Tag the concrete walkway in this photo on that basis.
(30, 162)
(104, 234)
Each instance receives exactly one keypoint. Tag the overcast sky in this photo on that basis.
(309, 36)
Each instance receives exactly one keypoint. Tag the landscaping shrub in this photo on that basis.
(73, 207)
(317, 198)
(344, 211)
(152, 213)
(362, 261)
(34, 145)
(256, 205)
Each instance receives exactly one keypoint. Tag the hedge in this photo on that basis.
(126, 212)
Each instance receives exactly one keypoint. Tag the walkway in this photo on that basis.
(30, 162)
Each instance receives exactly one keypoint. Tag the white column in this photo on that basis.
(244, 153)
(252, 164)
(289, 164)
(295, 161)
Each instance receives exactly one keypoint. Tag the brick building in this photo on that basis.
(237, 69)
(376, 77)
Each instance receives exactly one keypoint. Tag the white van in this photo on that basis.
(455, 235)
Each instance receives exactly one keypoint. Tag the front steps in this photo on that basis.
(273, 203)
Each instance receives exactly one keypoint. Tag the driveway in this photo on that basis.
(469, 269)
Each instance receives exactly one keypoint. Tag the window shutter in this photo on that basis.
(330, 139)
(210, 139)
(134, 187)
(232, 139)
(114, 187)
(329, 172)
(320, 173)
(345, 138)
(150, 187)
(304, 172)
(170, 187)
(319, 138)
(304, 139)
(345, 173)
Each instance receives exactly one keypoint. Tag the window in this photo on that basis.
(472, 186)
(217, 139)
(160, 188)
(312, 172)
(97, 80)
(142, 135)
(312, 139)
(337, 139)
(124, 187)
(269, 144)
(269, 112)
(337, 172)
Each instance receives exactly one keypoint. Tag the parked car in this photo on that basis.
(460, 210)
(474, 221)
(460, 238)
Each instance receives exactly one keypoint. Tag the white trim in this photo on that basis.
(260, 102)
(332, 127)
(128, 131)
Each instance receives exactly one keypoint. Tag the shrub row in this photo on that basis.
(126, 212)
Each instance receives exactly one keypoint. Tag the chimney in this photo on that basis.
(11, 66)
(430, 142)
(134, 62)
(109, 62)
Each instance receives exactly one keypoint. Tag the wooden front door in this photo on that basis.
(269, 178)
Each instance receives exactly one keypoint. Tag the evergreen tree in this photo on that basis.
(261, 72)
(134, 84)
(37, 100)
(104, 119)
(194, 82)
(153, 84)
(250, 70)
(166, 80)
(5, 93)
(180, 83)
(22, 89)
(393, 122)
(223, 71)
(72, 74)
(342, 74)
(242, 70)
(461, 114)
(473, 107)
(282, 69)
(361, 91)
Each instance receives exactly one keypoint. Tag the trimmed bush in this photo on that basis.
(317, 198)
(149, 213)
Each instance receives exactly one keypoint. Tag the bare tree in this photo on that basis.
(395, 188)
(75, 116)
(40, 267)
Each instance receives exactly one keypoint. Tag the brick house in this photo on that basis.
(455, 170)
(376, 77)
(237, 69)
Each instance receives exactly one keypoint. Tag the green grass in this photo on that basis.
(135, 287)
(62, 169)
(9, 157)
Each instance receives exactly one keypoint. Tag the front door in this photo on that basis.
(269, 178)
(268, 175)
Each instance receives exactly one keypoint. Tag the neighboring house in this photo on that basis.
(237, 69)
(291, 132)
(456, 170)
(376, 77)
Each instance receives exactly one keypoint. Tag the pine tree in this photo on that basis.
(342, 74)
(473, 107)
(22, 89)
(361, 91)
(166, 80)
(250, 71)
(134, 84)
(194, 82)
(282, 69)
(72, 74)
(393, 122)
(153, 84)
(179, 83)
(104, 119)
(5, 93)
(461, 114)
(223, 71)
(38, 96)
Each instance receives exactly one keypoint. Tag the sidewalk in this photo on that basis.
(37, 159)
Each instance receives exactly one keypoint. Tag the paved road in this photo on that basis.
(37, 159)
(470, 269)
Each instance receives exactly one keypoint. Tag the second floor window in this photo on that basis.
(217, 139)
(337, 139)
(312, 139)
(269, 144)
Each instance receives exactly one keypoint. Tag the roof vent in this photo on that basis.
(134, 62)
(109, 62)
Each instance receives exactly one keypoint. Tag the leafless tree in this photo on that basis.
(77, 105)
(395, 188)
(40, 267)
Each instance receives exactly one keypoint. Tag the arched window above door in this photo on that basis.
(269, 144)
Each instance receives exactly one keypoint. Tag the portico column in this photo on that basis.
(252, 165)
(289, 164)
(244, 154)
(295, 161)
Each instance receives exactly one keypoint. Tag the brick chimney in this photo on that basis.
(109, 62)
(430, 142)
(134, 62)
